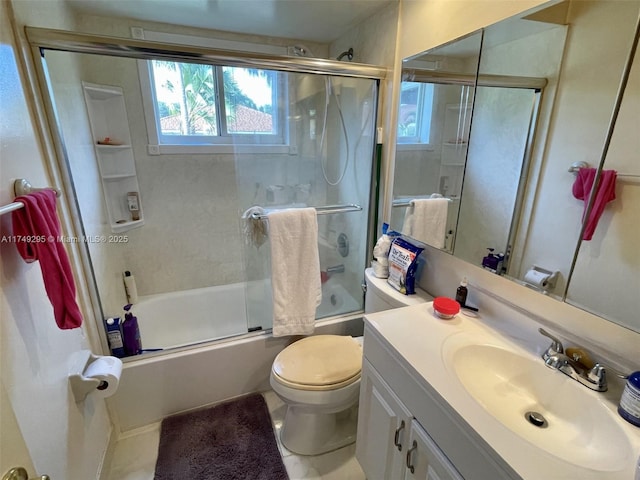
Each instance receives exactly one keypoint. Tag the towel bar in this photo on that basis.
(575, 166)
(320, 210)
(405, 203)
(22, 187)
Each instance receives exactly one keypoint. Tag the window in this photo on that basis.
(414, 116)
(198, 104)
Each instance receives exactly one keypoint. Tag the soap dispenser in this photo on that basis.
(493, 262)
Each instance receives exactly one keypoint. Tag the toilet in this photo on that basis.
(318, 378)
(382, 296)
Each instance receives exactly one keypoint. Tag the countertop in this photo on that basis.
(422, 341)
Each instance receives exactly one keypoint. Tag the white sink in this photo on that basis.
(580, 429)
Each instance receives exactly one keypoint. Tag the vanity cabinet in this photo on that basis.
(391, 444)
(383, 428)
(114, 153)
(403, 422)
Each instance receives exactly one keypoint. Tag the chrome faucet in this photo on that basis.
(594, 378)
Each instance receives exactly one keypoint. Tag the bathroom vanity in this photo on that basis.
(451, 400)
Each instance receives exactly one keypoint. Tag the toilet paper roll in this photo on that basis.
(536, 278)
(380, 270)
(108, 371)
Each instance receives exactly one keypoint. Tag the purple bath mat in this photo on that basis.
(231, 441)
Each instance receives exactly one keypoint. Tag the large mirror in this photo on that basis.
(543, 98)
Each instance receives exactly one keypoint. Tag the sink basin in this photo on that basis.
(570, 422)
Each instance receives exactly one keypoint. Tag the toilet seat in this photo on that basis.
(321, 362)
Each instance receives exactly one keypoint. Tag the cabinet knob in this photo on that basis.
(396, 437)
(409, 455)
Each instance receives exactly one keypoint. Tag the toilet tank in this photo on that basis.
(382, 296)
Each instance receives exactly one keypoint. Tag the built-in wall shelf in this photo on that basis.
(455, 135)
(114, 154)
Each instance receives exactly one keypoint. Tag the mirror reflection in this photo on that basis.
(516, 192)
(434, 121)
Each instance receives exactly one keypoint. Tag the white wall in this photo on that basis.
(65, 440)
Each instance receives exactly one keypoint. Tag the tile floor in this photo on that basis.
(135, 454)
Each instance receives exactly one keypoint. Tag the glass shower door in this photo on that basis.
(325, 161)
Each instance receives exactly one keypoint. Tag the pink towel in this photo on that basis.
(605, 193)
(39, 221)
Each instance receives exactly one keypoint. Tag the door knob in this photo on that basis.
(19, 473)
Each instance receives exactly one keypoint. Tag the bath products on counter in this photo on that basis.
(114, 337)
(445, 308)
(130, 287)
(461, 292)
(629, 407)
(403, 264)
(131, 333)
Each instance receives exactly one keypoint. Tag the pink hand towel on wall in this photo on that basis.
(606, 192)
(39, 220)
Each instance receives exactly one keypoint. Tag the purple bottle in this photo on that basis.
(131, 333)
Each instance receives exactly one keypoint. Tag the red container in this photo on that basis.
(445, 307)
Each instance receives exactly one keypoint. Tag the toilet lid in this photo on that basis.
(320, 360)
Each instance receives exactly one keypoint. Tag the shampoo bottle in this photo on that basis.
(130, 287)
(461, 292)
(131, 333)
(114, 337)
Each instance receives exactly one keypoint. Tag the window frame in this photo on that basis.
(283, 142)
(422, 138)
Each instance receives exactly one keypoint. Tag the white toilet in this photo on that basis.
(318, 378)
(382, 296)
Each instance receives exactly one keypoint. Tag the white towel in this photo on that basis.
(295, 270)
(426, 220)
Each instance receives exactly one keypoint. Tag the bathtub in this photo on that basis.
(156, 385)
(177, 319)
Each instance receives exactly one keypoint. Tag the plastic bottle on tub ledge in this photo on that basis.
(114, 337)
(130, 287)
(131, 333)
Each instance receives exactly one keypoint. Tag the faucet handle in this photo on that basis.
(555, 347)
(598, 375)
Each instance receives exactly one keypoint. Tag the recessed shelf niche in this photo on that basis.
(112, 144)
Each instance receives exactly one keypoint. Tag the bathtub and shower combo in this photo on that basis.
(204, 306)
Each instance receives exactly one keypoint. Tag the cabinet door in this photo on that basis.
(424, 460)
(383, 428)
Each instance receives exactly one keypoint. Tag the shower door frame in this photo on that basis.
(42, 39)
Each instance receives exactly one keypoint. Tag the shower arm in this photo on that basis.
(346, 53)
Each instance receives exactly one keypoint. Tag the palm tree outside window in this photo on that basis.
(205, 104)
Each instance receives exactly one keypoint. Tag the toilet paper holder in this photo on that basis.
(82, 386)
(548, 279)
